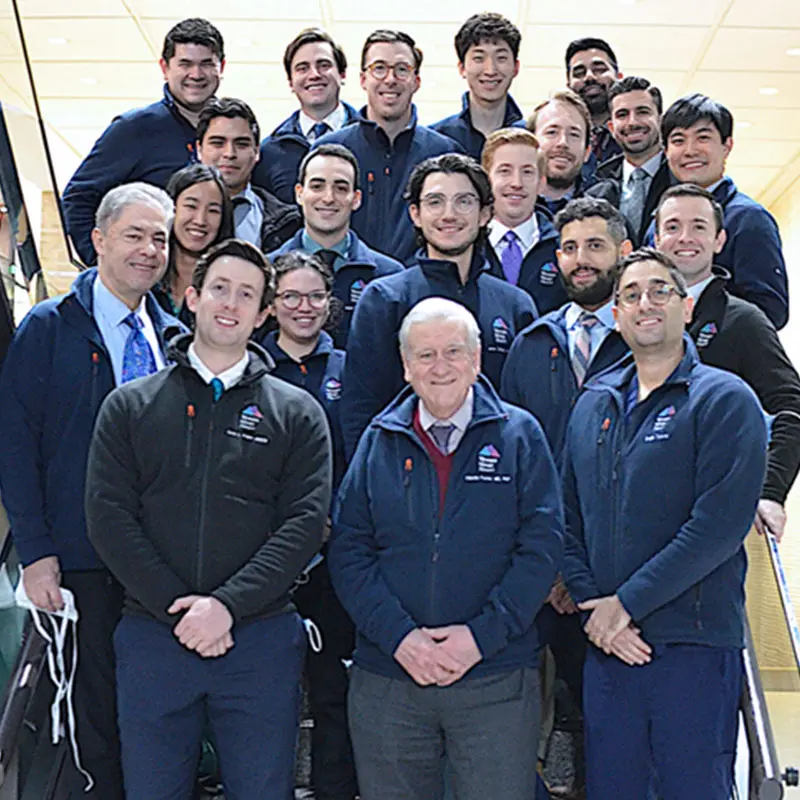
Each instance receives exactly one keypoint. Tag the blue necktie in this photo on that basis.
(511, 258)
(581, 355)
(320, 129)
(219, 387)
(138, 360)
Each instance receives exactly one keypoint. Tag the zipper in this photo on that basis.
(190, 415)
(698, 594)
(204, 499)
(407, 469)
(437, 515)
(553, 360)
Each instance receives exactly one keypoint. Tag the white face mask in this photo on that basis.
(54, 628)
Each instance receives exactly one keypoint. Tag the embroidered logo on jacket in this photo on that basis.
(661, 425)
(500, 329)
(707, 333)
(548, 274)
(249, 420)
(333, 390)
(356, 288)
(488, 457)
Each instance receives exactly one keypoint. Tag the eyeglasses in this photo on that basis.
(380, 70)
(291, 300)
(461, 203)
(658, 294)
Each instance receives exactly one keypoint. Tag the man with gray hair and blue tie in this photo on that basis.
(66, 356)
(447, 536)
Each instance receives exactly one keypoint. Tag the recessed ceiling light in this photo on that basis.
(793, 51)
(743, 123)
(57, 40)
(769, 90)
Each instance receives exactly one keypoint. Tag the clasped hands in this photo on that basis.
(205, 627)
(438, 656)
(611, 629)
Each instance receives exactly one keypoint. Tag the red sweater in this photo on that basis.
(441, 462)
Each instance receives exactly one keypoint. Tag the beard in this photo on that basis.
(597, 103)
(641, 147)
(563, 181)
(595, 294)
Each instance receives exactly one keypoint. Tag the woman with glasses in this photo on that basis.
(203, 217)
(304, 355)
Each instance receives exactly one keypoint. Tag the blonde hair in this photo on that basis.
(510, 136)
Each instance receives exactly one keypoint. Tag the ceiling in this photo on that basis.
(95, 58)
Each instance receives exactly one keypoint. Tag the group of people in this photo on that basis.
(508, 375)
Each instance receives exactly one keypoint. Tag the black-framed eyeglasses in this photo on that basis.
(291, 300)
(658, 294)
(380, 70)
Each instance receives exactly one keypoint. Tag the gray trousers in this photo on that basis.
(488, 728)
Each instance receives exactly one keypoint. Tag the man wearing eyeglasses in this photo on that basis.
(450, 203)
(327, 191)
(388, 141)
(663, 466)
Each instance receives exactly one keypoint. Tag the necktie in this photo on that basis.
(137, 357)
(581, 355)
(440, 433)
(320, 129)
(328, 256)
(511, 257)
(633, 199)
(219, 387)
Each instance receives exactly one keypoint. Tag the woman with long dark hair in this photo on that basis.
(203, 217)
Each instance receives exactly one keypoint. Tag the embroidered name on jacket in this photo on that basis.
(707, 333)
(662, 425)
(488, 459)
(548, 274)
(249, 420)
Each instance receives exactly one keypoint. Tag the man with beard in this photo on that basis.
(388, 141)
(450, 203)
(563, 128)
(634, 180)
(149, 144)
(592, 68)
(546, 367)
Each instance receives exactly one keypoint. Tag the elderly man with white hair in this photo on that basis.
(447, 536)
(66, 356)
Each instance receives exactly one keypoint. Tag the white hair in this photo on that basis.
(116, 200)
(442, 310)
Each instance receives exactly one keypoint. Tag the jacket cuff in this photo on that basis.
(488, 635)
(30, 549)
(225, 598)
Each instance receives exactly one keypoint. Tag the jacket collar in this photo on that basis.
(324, 348)
(725, 192)
(372, 128)
(513, 112)
(291, 125)
(260, 361)
(169, 101)
(442, 269)
(399, 416)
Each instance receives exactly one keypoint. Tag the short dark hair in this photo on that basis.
(310, 36)
(184, 179)
(391, 37)
(236, 248)
(590, 43)
(692, 109)
(632, 83)
(299, 259)
(650, 254)
(335, 151)
(193, 31)
(587, 207)
(487, 27)
(231, 108)
(691, 190)
(450, 164)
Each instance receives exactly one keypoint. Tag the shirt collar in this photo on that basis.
(698, 289)
(335, 120)
(714, 185)
(460, 419)
(114, 311)
(650, 167)
(248, 195)
(230, 377)
(312, 246)
(604, 315)
(528, 232)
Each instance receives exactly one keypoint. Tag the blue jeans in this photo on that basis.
(250, 698)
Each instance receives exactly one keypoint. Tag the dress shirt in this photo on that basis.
(230, 377)
(248, 214)
(598, 333)
(527, 232)
(459, 420)
(334, 121)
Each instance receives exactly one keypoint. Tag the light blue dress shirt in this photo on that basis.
(598, 333)
(248, 216)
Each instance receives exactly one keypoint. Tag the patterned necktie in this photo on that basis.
(320, 129)
(633, 199)
(441, 432)
(137, 357)
(328, 256)
(581, 355)
(511, 258)
(219, 387)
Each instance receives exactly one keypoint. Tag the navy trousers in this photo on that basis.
(675, 717)
(250, 698)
